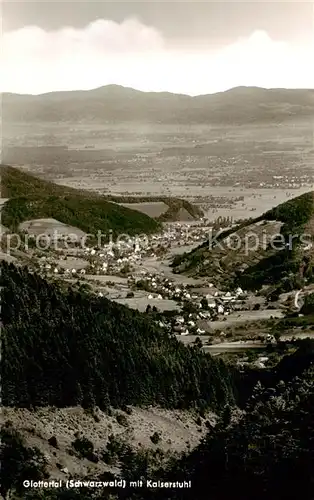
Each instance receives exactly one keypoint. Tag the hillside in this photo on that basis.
(33, 198)
(256, 253)
(66, 348)
(116, 104)
(262, 451)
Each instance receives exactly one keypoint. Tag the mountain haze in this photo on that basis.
(116, 104)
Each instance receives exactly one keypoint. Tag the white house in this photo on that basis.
(199, 330)
(180, 320)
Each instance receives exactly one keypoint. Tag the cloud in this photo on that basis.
(138, 56)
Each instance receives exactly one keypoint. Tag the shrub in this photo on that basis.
(155, 438)
(126, 409)
(53, 441)
(83, 446)
(122, 420)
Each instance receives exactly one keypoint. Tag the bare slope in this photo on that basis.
(177, 430)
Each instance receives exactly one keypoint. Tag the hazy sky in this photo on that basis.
(186, 47)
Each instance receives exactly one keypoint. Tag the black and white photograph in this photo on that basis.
(157, 250)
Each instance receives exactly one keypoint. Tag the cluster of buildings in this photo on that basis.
(124, 255)
(196, 307)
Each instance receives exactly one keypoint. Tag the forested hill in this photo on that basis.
(262, 452)
(65, 348)
(33, 198)
(265, 453)
(252, 264)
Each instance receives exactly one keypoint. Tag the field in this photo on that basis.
(141, 303)
(228, 170)
(50, 227)
(153, 209)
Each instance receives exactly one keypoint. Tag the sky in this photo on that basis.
(182, 47)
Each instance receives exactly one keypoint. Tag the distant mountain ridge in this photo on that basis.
(114, 104)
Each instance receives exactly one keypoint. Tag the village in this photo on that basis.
(137, 272)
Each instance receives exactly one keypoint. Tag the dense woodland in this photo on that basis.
(266, 452)
(263, 451)
(62, 348)
(65, 348)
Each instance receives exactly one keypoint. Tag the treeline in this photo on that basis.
(67, 348)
